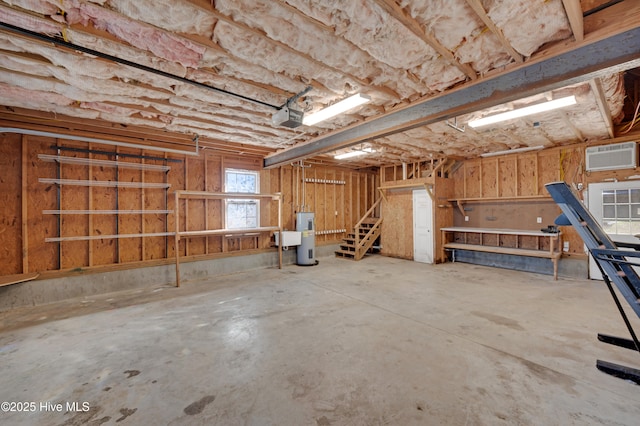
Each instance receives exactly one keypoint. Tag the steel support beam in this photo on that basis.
(613, 54)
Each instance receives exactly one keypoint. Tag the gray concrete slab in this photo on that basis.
(378, 342)
(88, 283)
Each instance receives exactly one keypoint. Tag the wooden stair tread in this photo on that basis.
(370, 220)
(367, 234)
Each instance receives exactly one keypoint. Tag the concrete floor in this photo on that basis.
(377, 342)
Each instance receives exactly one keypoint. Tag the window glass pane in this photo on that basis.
(235, 216)
(622, 196)
(608, 196)
(609, 227)
(609, 211)
(252, 216)
(635, 227)
(623, 228)
(635, 195)
(249, 183)
(622, 212)
(242, 214)
(231, 182)
(241, 181)
(635, 211)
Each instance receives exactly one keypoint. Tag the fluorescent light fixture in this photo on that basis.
(335, 109)
(348, 155)
(521, 112)
(512, 151)
(353, 153)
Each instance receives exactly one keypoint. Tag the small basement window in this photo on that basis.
(241, 213)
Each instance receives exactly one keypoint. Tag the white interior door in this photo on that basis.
(422, 226)
(616, 207)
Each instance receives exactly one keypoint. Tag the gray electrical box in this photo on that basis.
(306, 251)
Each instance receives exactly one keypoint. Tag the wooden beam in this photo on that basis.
(613, 54)
(574, 13)
(603, 105)
(393, 9)
(578, 134)
(33, 120)
(477, 7)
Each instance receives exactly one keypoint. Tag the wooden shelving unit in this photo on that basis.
(116, 184)
(178, 234)
(461, 201)
(555, 243)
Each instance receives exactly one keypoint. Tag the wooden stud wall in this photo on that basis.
(42, 257)
(73, 253)
(501, 183)
(11, 195)
(443, 212)
(24, 227)
(324, 191)
(105, 251)
(397, 224)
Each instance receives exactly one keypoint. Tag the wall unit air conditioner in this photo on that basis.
(611, 157)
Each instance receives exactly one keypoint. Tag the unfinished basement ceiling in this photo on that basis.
(266, 51)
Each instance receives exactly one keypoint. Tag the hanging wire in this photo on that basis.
(635, 120)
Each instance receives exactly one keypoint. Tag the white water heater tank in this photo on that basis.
(305, 224)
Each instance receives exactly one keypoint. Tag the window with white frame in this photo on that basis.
(621, 211)
(242, 213)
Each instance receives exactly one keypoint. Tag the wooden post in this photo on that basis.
(497, 177)
(480, 173)
(186, 205)
(176, 240)
(142, 207)
(206, 204)
(280, 230)
(25, 217)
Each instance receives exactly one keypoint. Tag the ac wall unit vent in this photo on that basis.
(611, 157)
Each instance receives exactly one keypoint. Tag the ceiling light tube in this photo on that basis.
(335, 109)
(354, 153)
(512, 151)
(522, 112)
(349, 155)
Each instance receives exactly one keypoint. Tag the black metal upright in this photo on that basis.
(616, 265)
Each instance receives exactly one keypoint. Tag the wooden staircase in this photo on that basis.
(356, 244)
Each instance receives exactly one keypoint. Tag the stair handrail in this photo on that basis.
(371, 231)
(366, 215)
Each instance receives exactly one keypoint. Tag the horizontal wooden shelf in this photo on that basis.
(553, 252)
(518, 198)
(203, 194)
(503, 250)
(111, 212)
(105, 237)
(203, 233)
(18, 278)
(104, 183)
(103, 163)
(500, 231)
